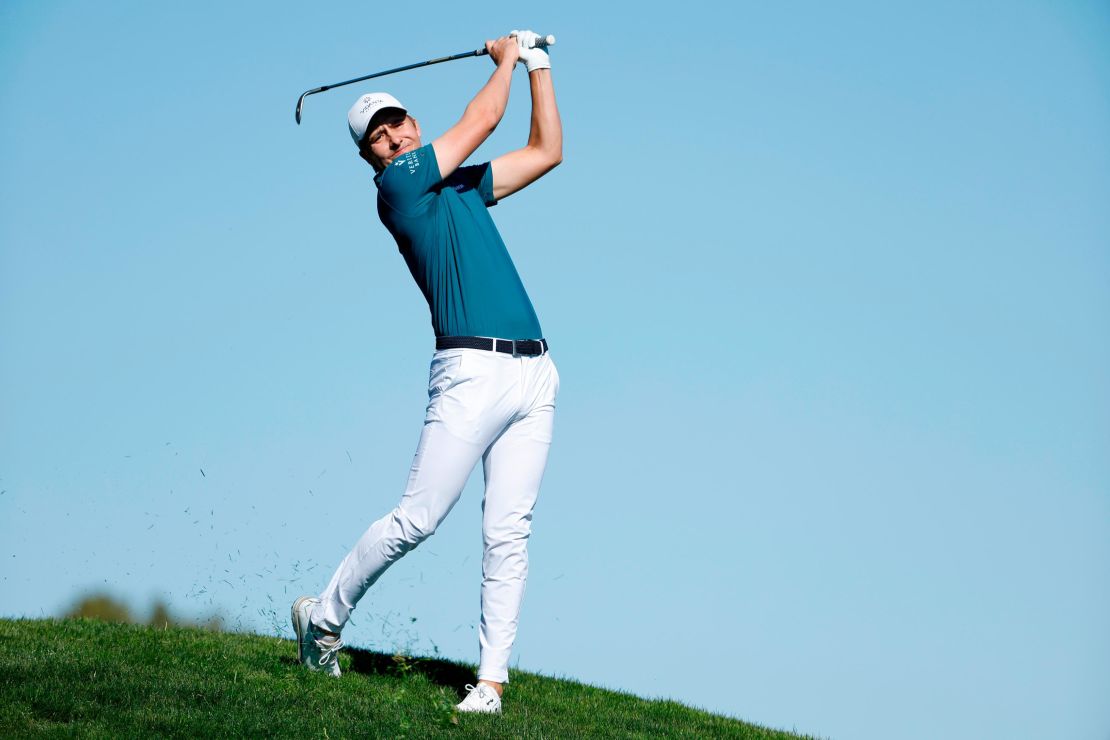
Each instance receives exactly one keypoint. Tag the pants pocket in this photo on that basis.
(444, 370)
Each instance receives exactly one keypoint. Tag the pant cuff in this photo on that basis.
(495, 676)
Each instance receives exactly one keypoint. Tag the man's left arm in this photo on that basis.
(544, 149)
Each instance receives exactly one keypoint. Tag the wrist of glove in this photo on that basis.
(533, 57)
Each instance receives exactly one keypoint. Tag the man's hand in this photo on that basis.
(534, 57)
(505, 50)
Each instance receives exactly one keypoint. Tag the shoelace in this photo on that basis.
(471, 688)
(327, 653)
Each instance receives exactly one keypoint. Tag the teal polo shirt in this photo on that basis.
(453, 249)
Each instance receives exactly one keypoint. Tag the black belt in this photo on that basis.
(529, 347)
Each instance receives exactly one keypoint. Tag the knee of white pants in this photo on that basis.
(506, 544)
(506, 533)
(415, 527)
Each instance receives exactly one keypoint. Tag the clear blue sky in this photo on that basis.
(828, 286)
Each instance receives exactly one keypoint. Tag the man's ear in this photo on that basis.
(414, 123)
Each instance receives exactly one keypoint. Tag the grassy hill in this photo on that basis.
(91, 678)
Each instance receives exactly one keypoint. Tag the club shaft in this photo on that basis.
(451, 58)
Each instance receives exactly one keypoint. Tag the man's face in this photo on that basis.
(391, 134)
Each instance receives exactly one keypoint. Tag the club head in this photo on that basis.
(300, 102)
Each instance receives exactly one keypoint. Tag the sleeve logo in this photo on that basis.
(410, 159)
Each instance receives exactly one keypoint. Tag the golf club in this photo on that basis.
(540, 41)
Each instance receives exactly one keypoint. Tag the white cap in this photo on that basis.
(358, 117)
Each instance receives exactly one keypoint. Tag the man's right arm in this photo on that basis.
(483, 113)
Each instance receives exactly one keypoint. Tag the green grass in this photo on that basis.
(96, 679)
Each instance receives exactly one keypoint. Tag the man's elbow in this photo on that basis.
(549, 163)
(553, 157)
(541, 158)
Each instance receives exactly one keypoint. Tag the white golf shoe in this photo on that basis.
(481, 699)
(316, 651)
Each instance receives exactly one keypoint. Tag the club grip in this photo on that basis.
(543, 41)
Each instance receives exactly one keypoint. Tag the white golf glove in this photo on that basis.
(534, 57)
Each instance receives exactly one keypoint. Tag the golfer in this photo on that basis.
(492, 385)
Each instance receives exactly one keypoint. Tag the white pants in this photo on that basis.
(481, 404)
